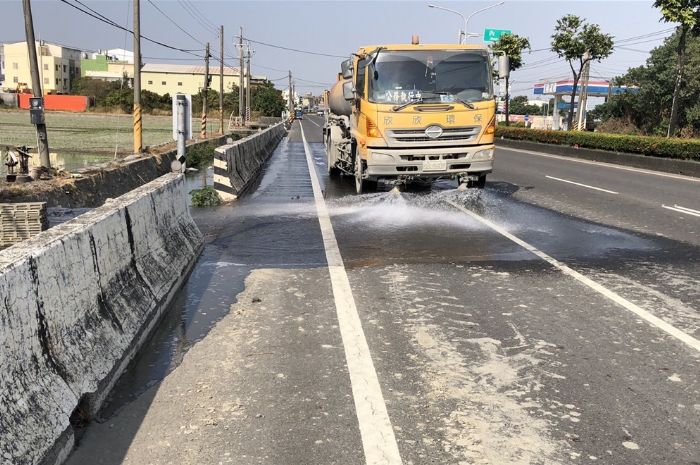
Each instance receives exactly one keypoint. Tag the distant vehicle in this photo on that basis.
(320, 112)
(298, 114)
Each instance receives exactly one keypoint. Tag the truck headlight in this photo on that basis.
(483, 155)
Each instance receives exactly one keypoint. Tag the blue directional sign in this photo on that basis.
(492, 35)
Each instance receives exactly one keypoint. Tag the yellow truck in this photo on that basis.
(413, 113)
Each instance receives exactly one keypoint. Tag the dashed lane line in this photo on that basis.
(582, 185)
(686, 210)
(637, 310)
(602, 164)
(378, 440)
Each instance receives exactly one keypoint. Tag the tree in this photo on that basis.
(687, 13)
(520, 106)
(579, 42)
(654, 84)
(512, 45)
(267, 100)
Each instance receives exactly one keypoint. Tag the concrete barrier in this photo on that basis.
(78, 301)
(238, 164)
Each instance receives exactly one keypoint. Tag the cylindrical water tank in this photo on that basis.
(337, 102)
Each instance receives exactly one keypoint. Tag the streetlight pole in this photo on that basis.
(459, 39)
(465, 19)
(466, 22)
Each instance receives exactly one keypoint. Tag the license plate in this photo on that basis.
(434, 165)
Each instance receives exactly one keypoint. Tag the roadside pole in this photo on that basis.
(291, 109)
(181, 130)
(248, 85)
(42, 137)
(205, 93)
(241, 90)
(221, 80)
(138, 123)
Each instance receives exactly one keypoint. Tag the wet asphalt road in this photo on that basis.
(485, 353)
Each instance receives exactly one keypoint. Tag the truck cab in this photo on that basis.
(416, 112)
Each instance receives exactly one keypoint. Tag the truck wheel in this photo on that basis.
(478, 184)
(332, 151)
(358, 173)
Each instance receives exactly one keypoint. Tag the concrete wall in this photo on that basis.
(238, 164)
(77, 302)
(97, 184)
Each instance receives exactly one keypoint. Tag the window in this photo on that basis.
(65, 83)
(150, 82)
(15, 79)
(64, 68)
(46, 80)
(179, 84)
(15, 65)
(46, 67)
(163, 83)
(57, 81)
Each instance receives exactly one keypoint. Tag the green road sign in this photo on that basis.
(492, 35)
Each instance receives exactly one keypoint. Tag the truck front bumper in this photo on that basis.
(429, 163)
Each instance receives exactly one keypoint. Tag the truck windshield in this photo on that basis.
(398, 77)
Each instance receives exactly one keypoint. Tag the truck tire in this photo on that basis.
(478, 184)
(332, 153)
(359, 182)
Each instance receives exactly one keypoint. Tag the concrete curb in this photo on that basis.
(81, 299)
(237, 165)
(667, 165)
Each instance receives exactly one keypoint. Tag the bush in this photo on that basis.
(200, 155)
(645, 145)
(205, 197)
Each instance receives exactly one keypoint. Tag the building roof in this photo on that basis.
(185, 69)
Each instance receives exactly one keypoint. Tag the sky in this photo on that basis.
(335, 28)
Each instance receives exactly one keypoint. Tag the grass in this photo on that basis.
(205, 197)
(82, 134)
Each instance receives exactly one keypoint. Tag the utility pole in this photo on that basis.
(41, 134)
(291, 109)
(138, 123)
(241, 91)
(221, 81)
(506, 107)
(205, 93)
(248, 84)
(583, 94)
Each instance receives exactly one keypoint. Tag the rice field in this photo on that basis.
(81, 139)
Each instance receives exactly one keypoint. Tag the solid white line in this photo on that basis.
(678, 208)
(603, 164)
(640, 312)
(378, 440)
(582, 185)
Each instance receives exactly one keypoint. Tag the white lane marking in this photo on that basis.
(686, 210)
(603, 164)
(378, 440)
(640, 312)
(314, 122)
(582, 185)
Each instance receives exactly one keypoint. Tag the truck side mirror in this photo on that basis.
(348, 91)
(503, 66)
(346, 68)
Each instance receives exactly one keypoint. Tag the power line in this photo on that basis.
(308, 52)
(191, 11)
(173, 21)
(199, 13)
(104, 19)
